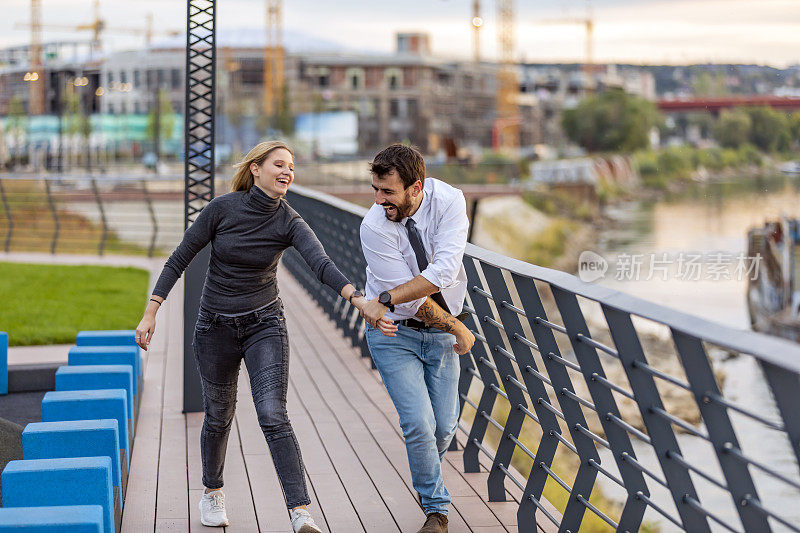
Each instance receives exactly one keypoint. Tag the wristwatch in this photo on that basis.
(356, 294)
(386, 299)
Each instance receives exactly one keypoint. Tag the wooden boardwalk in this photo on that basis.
(355, 459)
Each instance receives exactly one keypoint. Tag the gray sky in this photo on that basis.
(637, 31)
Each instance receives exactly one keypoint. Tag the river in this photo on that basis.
(710, 219)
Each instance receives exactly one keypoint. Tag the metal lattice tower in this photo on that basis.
(507, 84)
(273, 58)
(201, 55)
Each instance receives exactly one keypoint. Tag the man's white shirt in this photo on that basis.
(443, 226)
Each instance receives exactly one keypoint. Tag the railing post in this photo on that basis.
(490, 387)
(785, 388)
(571, 410)
(618, 439)
(720, 429)
(659, 430)
(10, 218)
(496, 285)
(103, 220)
(54, 212)
(153, 221)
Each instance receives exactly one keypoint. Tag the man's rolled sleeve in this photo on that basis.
(387, 267)
(450, 241)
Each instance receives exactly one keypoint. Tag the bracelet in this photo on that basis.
(154, 300)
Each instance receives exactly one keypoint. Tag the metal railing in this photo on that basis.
(587, 390)
(91, 214)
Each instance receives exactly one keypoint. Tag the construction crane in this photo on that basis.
(35, 77)
(98, 26)
(477, 23)
(273, 58)
(506, 128)
(588, 23)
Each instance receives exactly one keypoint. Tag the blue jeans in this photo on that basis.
(220, 344)
(420, 370)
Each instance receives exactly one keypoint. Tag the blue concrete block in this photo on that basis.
(60, 519)
(3, 362)
(77, 438)
(60, 406)
(73, 481)
(95, 377)
(107, 355)
(124, 337)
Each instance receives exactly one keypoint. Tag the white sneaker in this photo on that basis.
(303, 523)
(212, 509)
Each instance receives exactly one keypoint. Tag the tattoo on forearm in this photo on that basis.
(434, 316)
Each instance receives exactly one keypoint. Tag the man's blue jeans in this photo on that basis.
(420, 370)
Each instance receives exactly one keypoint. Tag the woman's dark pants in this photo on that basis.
(260, 338)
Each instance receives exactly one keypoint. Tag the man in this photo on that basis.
(413, 240)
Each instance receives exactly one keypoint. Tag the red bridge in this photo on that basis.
(714, 105)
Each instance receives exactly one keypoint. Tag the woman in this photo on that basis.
(241, 317)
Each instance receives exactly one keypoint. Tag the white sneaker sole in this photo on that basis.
(209, 524)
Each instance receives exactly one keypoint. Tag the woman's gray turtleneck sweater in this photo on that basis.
(248, 232)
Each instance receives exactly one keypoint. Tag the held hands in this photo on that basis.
(373, 312)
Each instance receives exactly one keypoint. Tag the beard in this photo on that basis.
(398, 211)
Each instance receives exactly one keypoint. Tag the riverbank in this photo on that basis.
(513, 227)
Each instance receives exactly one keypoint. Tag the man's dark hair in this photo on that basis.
(406, 160)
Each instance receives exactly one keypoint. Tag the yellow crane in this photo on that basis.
(273, 58)
(588, 23)
(505, 132)
(97, 26)
(477, 23)
(506, 129)
(35, 77)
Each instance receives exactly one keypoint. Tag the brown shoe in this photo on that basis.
(435, 523)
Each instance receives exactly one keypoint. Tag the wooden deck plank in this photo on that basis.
(270, 505)
(238, 495)
(194, 423)
(172, 497)
(140, 503)
(331, 495)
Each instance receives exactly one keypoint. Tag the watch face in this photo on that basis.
(385, 298)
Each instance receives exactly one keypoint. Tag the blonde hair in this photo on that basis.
(243, 178)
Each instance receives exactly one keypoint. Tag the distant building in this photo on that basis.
(63, 64)
(409, 95)
(406, 96)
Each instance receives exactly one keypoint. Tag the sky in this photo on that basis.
(626, 31)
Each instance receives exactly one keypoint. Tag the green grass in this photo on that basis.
(50, 304)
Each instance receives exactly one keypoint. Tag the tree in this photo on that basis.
(770, 129)
(284, 120)
(160, 120)
(17, 124)
(794, 127)
(610, 121)
(733, 128)
(708, 84)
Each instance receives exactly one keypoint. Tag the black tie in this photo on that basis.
(422, 261)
